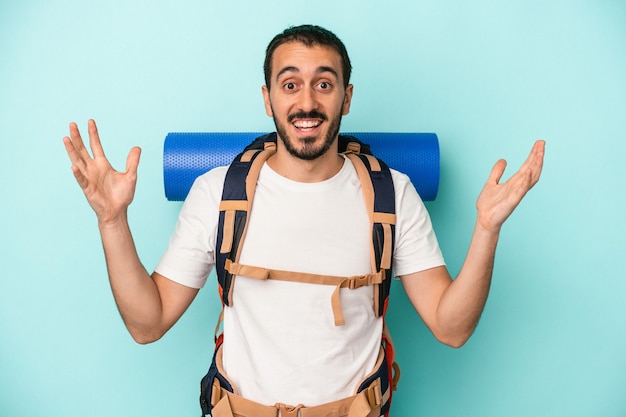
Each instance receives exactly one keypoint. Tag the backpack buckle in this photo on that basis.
(358, 282)
(353, 147)
(289, 410)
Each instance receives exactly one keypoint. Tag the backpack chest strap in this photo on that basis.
(352, 282)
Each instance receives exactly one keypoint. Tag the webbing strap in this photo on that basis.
(377, 219)
(230, 209)
(367, 403)
(390, 351)
(368, 194)
(339, 282)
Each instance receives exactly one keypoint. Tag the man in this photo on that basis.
(282, 345)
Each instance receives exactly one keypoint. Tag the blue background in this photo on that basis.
(489, 77)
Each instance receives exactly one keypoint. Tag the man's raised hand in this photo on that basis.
(108, 191)
(497, 200)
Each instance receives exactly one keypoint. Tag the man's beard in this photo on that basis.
(309, 151)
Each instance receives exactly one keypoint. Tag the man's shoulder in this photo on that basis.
(214, 173)
(210, 184)
(399, 178)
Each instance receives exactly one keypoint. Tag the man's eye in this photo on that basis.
(324, 85)
(290, 86)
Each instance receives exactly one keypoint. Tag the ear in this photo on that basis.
(266, 100)
(347, 99)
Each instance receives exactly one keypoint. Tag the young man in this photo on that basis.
(281, 343)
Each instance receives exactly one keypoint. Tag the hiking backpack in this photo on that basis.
(238, 192)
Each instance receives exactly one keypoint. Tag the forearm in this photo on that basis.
(462, 303)
(452, 308)
(135, 292)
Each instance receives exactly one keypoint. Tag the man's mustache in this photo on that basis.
(313, 114)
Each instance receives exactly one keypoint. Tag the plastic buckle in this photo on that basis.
(357, 282)
(289, 410)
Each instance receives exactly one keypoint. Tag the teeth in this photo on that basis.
(306, 124)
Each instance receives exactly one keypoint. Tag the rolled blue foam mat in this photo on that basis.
(189, 155)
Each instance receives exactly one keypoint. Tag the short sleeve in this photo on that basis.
(190, 255)
(416, 246)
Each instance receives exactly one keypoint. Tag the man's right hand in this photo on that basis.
(108, 191)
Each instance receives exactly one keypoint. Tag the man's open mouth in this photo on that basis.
(307, 125)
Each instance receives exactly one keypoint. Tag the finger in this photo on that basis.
(69, 148)
(526, 182)
(530, 170)
(535, 157)
(537, 165)
(132, 161)
(75, 156)
(496, 172)
(77, 142)
(532, 173)
(94, 139)
(80, 178)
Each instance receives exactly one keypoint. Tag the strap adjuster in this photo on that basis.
(289, 410)
(358, 282)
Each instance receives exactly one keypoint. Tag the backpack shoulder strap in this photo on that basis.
(239, 185)
(379, 196)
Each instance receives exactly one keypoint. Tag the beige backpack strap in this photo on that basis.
(230, 207)
(367, 403)
(385, 219)
(339, 282)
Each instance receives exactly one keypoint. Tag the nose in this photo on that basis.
(307, 99)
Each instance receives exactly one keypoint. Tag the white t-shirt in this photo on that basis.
(281, 344)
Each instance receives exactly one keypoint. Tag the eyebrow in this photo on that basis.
(319, 70)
